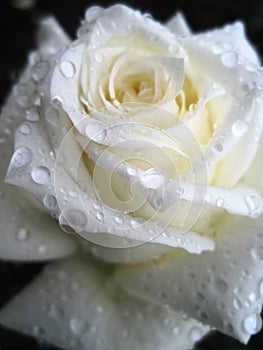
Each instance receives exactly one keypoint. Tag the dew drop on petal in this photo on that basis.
(118, 219)
(221, 286)
(32, 115)
(257, 253)
(195, 334)
(22, 234)
(239, 128)
(40, 175)
(217, 148)
(100, 216)
(173, 49)
(220, 202)
(77, 326)
(229, 59)
(260, 287)
(40, 70)
(42, 248)
(21, 157)
(68, 69)
(252, 324)
(50, 202)
(131, 171)
(254, 203)
(25, 129)
(99, 57)
(237, 304)
(76, 218)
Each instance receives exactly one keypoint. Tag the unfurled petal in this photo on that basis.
(75, 305)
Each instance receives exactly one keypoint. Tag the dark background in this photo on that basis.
(17, 28)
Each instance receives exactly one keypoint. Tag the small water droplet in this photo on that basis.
(217, 49)
(25, 129)
(229, 59)
(21, 157)
(220, 202)
(68, 69)
(131, 171)
(99, 57)
(237, 304)
(32, 115)
(40, 175)
(260, 287)
(118, 219)
(217, 148)
(100, 216)
(77, 326)
(252, 297)
(153, 178)
(76, 219)
(239, 128)
(195, 334)
(40, 70)
(50, 202)
(257, 253)
(252, 324)
(173, 49)
(221, 285)
(22, 234)
(42, 248)
(254, 204)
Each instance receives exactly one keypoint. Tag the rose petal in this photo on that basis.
(51, 36)
(178, 25)
(51, 308)
(22, 236)
(227, 292)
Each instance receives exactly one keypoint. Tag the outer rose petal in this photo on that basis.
(22, 235)
(77, 306)
(227, 285)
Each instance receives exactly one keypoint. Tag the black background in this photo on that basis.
(17, 29)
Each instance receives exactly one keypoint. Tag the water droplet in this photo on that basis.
(40, 175)
(131, 171)
(153, 178)
(99, 57)
(260, 287)
(40, 70)
(118, 219)
(68, 69)
(100, 216)
(217, 148)
(252, 324)
(254, 204)
(77, 326)
(25, 129)
(217, 49)
(50, 202)
(239, 128)
(195, 334)
(22, 234)
(76, 219)
(52, 116)
(32, 115)
(237, 304)
(221, 285)
(21, 157)
(173, 49)
(251, 67)
(220, 202)
(257, 253)
(229, 59)
(42, 248)
(252, 297)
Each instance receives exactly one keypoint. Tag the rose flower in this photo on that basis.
(143, 143)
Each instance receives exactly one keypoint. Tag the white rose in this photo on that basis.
(146, 138)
